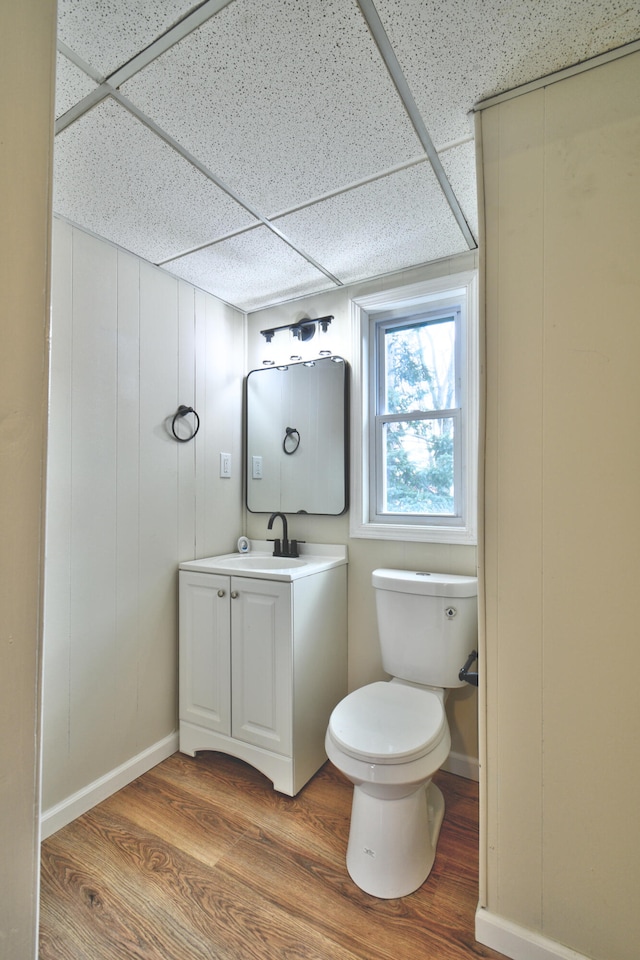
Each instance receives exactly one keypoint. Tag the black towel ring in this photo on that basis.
(182, 411)
(294, 436)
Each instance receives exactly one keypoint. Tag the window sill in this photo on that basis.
(413, 532)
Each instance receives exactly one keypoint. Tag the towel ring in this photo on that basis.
(292, 435)
(182, 411)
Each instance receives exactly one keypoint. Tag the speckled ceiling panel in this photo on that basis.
(460, 167)
(455, 52)
(389, 224)
(107, 34)
(284, 100)
(72, 84)
(114, 177)
(251, 270)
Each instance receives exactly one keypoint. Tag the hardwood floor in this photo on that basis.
(200, 858)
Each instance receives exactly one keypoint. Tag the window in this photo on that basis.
(416, 417)
(415, 432)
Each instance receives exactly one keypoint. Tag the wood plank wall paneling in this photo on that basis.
(93, 676)
(158, 508)
(189, 301)
(126, 503)
(128, 531)
(513, 495)
(592, 510)
(562, 192)
(57, 578)
(220, 349)
(202, 478)
(200, 858)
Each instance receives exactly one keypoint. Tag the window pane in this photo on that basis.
(420, 367)
(418, 467)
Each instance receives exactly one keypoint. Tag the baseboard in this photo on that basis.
(462, 766)
(517, 942)
(78, 803)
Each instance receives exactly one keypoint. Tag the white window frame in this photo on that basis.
(443, 290)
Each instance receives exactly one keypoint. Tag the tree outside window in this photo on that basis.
(419, 367)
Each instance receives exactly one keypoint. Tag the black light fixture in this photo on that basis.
(301, 330)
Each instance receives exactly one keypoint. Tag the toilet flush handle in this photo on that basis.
(465, 674)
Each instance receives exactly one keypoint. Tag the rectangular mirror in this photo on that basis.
(296, 438)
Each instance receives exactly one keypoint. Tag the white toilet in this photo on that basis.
(389, 738)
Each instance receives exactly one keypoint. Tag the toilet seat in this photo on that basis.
(387, 722)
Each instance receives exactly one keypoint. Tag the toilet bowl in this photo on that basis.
(389, 738)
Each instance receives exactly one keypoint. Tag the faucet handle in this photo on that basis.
(293, 547)
(277, 549)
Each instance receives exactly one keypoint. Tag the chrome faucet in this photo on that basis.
(288, 548)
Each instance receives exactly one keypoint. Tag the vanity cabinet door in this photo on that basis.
(261, 655)
(205, 655)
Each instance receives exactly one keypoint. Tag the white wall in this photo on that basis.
(561, 180)
(126, 502)
(365, 555)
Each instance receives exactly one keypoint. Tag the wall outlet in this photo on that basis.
(225, 464)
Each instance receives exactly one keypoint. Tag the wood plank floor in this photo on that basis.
(200, 858)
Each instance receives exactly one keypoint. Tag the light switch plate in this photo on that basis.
(225, 464)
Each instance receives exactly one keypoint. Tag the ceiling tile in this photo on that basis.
(283, 100)
(251, 270)
(72, 84)
(106, 35)
(288, 102)
(460, 167)
(454, 53)
(396, 222)
(116, 178)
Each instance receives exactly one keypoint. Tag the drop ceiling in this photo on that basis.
(270, 149)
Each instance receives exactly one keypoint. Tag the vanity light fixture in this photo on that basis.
(301, 330)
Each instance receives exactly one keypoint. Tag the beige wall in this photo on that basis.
(365, 555)
(561, 180)
(26, 83)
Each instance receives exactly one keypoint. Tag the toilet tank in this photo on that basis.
(427, 624)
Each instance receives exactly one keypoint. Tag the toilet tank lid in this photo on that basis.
(424, 583)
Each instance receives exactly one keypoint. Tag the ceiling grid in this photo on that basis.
(269, 149)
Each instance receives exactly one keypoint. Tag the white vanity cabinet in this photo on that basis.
(262, 664)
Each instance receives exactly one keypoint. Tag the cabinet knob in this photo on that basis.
(234, 594)
(221, 593)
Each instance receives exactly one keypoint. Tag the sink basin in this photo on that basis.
(260, 563)
(247, 562)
